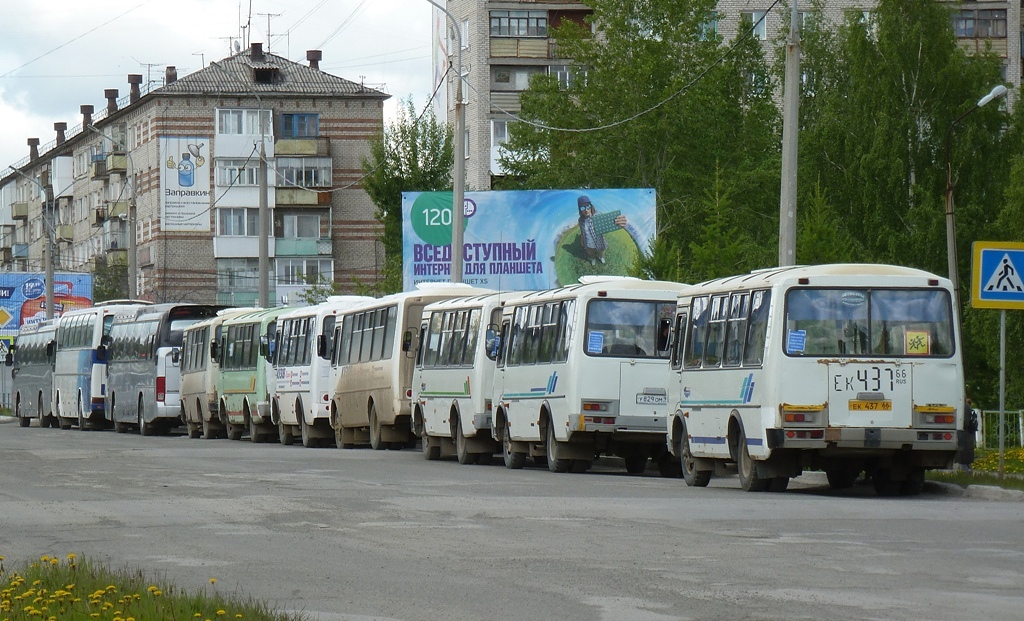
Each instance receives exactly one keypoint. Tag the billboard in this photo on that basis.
(23, 299)
(528, 239)
(184, 184)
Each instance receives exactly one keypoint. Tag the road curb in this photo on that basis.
(981, 492)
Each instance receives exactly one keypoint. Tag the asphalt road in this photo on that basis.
(355, 535)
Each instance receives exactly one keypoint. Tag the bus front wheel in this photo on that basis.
(555, 462)
(692, 476)
(513, 459)
(375, 441)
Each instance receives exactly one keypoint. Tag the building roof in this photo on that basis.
(237, 76)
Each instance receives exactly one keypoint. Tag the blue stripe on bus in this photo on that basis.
(708, 440)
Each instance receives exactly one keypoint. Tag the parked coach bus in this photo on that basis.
(373, 364)
(841, 368)
(247, 377)
(302, 364)
(143, 376)
(80, 364)
(32, 376)
(581, 372)
(453, 377)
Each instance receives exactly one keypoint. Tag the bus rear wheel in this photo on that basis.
(749, 480)
(375, 441)
(23, 421)
(555, 463)
(461, 446)
(513, 459)
(692, 476)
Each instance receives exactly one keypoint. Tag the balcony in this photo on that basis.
(19, 211)
(99, 216)
(117, 209)
(289, 196)
(19, 251)
(303, 146)
(116, 162)
(65, 232)
(98, 170)
(301, 247)
(511, 47)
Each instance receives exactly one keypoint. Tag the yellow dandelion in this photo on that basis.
(152, 588)
(213, 581)
(198, 615)
(157, 593)
(72, 556)
(221, 613)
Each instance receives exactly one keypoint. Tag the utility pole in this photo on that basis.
(459, 156)
(47, 199)
(264, 229)
(790, 127)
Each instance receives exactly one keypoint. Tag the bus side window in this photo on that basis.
(677, 340)
(696, 333)
(757, 328)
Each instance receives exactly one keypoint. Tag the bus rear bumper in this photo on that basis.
(865, 438)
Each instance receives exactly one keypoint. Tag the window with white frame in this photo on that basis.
(238, 222)
(304, 172)
(305, 125)
(300, 226)
(754, 20)
(230, 172)
(464, 33)
(519, 23)
(499, 132)
(299, 270)
(512, 78)
(244, 122)
(238, 275)
(980, 24)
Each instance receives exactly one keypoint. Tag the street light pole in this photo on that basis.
(133, 268)
(458, 157)
(996, 93)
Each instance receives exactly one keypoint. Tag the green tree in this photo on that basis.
(110, 277)
(413, 154)
(318, 289)
(654, 97)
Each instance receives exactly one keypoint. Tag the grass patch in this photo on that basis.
(986, 470)
(55, 589)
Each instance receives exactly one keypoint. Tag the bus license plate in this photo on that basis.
(651, 399)
(870, 406)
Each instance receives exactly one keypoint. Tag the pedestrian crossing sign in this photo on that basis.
(996, 277)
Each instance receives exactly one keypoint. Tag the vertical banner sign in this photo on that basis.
(527, 240)
(185, 197)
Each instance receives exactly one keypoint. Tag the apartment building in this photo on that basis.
(504, 42)
(183, 162)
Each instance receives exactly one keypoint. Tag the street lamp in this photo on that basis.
(996, 93)
(132, 242)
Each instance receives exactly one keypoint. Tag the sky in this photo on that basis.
(56, 55)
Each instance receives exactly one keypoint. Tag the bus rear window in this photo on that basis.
(627, 328)
(869, 322)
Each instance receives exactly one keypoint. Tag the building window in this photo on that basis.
(709, 28)
(499, 132)
(244, 122)
(754, 20)
(464, 33)
(299, 271)
(300, 125)
(510, 78)
(519, 23)
(980, 24)
(565, 74)
(238, 275)
(237, 172)
(238, 222)
(300, 226)
(304, 172)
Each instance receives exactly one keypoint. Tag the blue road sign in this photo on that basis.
(997, 280)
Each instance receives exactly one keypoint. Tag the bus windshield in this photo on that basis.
(869, 322)
(627, 328)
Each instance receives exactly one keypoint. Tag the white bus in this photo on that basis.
(373, 365)
(302, 365)
(143, 376)
(452, 381)
(32, 375)
(841, 368)
(581, 372)
(200, 366)
(80, 365)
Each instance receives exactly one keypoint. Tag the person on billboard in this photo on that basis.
(593, 227)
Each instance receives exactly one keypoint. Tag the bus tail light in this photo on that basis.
(161, 388)
(592, 406)
(935, 415)
(806, 434)
(802, 414)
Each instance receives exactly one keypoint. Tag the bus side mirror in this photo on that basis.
(175, 355)
(9, 359)
(664, 334)
(492, 342)
(101, 353)
(51, 348)
(265, 347)
(321, 346)
(407, 340)
(215, 351)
